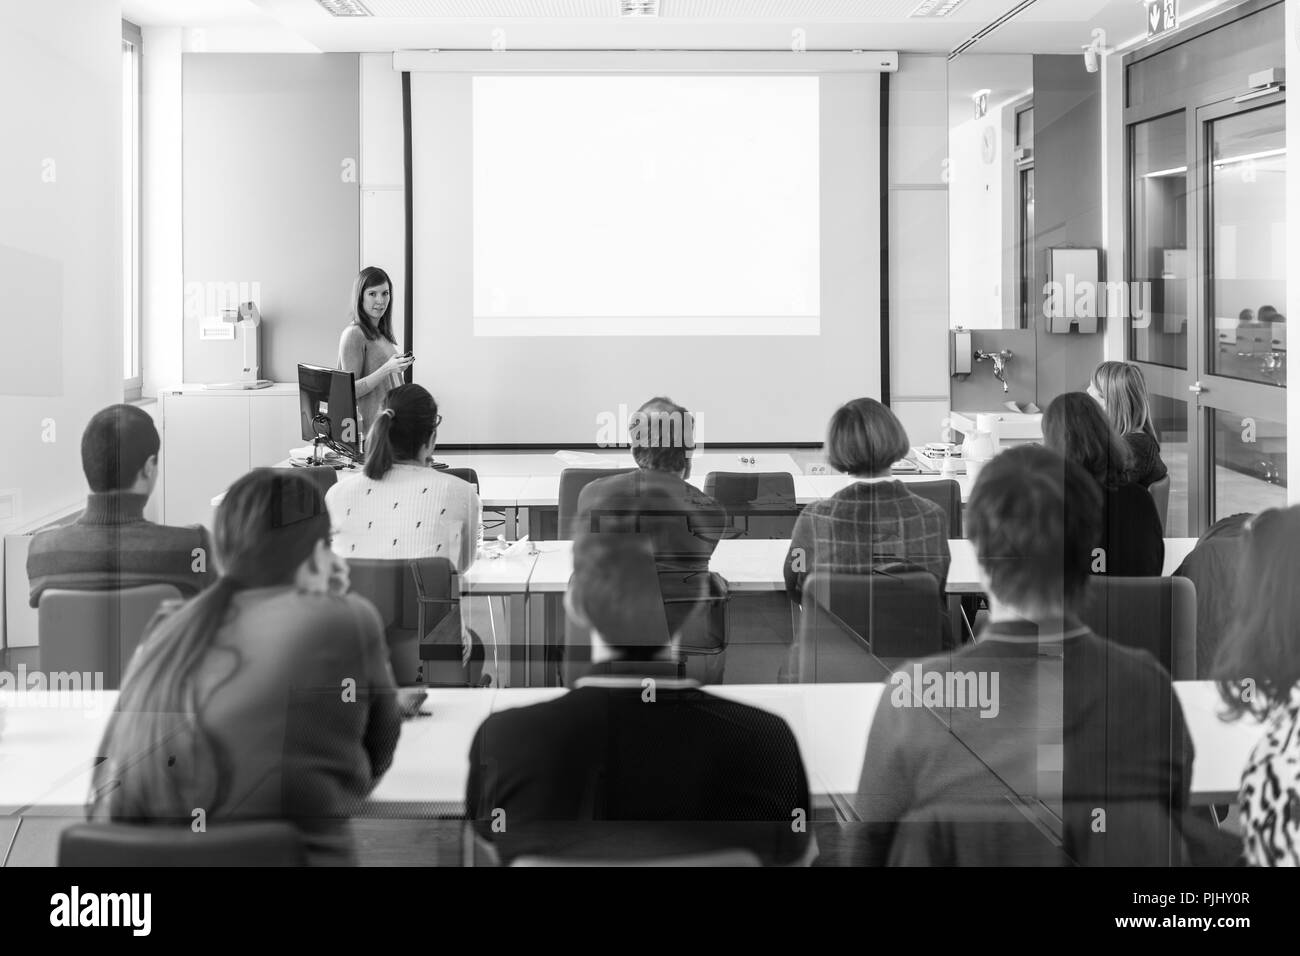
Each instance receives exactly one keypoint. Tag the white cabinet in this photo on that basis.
(210, 438)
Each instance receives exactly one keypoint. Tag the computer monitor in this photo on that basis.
(327, 409)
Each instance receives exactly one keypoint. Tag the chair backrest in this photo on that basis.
(760, 504)
(465, 474)
(944, 492)
(323, 476)
(735, 857)
(261, 843)
(1152, 614)
(390, 586)
(857, 627)
(989, 833)
(96, 632)
(572, 481)
(1160, 494)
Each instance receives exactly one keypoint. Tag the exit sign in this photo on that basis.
(1162, 17)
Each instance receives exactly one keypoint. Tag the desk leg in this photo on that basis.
(528, 638)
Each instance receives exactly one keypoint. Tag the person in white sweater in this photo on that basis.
(399, 507)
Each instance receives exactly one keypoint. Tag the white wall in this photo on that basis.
(60, 244)
(918, 245)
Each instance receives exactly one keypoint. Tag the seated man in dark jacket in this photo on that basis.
(683, 523)
(111, 546)
(1040, 721)
(635, 762)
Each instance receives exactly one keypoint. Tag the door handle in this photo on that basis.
(1196, 387)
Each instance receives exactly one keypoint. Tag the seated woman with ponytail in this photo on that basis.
(267, 697)
(400, 507)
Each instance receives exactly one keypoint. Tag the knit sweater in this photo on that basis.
(413, 512)
(363, 357)
(111, 546)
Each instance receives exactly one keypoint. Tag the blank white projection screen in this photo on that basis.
(583, 242)
(584, 185)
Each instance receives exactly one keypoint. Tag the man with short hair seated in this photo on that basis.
(683, 523)
(1076, 743)
(111, 546)
(635, 762)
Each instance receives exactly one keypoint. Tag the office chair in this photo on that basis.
(944, 492)
(988, 833)
(438, 624)
(1151, 614)
(858, 627)
(261, 843)
(96, 632)
(1160, 494)
(761, 505)
(389, 586)
(324, 478)
(718, 858)
(572, 481)
(465, 474)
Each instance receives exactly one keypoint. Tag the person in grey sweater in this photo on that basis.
(111, 546)
(268, 697)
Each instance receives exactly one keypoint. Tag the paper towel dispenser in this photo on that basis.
(247, 321)
(1073, 298)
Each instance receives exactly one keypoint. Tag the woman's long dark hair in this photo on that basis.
(1076, 429)
(406, 423)
(1258, 661)
(160, 762)
(368, 278)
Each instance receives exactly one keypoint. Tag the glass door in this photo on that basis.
(1240, 387)
(1159, 313)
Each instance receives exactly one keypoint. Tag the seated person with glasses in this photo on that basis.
(399, 507)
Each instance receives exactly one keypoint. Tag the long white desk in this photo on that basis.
(47, 753)
(510, 482)
(759, 565)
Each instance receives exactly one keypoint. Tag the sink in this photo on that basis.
(1012, 426)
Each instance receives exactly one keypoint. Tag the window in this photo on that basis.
(131, 370)
(1029, 298)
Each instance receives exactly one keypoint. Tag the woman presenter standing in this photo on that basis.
(367, 347)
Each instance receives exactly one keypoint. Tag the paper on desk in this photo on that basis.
(584, 459)
(521, 546)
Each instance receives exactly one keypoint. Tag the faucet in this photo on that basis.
(999, 360)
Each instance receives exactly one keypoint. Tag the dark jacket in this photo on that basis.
(684, 524)
(1132, 537)
(605, 771)
(1148, 467)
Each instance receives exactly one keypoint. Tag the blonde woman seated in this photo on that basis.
(1121, 391)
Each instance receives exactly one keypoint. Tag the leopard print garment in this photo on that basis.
(1270, 790)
